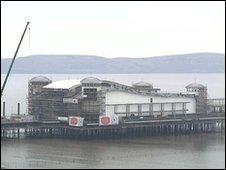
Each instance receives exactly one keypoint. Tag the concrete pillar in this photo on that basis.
(127, 110)
(184, 108)
(150, 109)
(173, 108)
(139, 109)
(162, 108)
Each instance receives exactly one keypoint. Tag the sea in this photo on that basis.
(186, 151)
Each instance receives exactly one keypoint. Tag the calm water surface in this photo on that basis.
(192, 151)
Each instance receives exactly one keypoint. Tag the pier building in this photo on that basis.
(91, 97)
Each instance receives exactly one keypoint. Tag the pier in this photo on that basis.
(173, 124)
(180, 125)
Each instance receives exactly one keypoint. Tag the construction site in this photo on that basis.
(90, 98)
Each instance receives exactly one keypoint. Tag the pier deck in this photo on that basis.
(183, 124)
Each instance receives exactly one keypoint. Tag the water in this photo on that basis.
(16, 88)
(192, 151)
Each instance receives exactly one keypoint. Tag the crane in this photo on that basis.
(11, 65)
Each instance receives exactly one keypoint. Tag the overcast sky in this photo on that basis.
(113, 29)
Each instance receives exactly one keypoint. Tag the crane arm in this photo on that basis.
(11, 65)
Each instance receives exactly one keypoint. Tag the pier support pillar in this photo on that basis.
(3, 109)
(18, 108)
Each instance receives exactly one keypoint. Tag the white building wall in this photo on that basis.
(119, 97)
(145, 107)
(133, 108)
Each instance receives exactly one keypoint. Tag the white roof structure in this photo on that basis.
(63, 84)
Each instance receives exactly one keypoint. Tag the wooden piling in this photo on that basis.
(3, 107)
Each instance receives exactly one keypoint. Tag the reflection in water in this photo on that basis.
(191, 151)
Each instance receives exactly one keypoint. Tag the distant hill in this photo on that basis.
(81, 64)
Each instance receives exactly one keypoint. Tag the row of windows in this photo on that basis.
(94, 90)
(90, 84)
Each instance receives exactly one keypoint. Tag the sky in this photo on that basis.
(113, 29)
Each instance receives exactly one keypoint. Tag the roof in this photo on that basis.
(63, 84)
(162, 94)
(91, 80)
(114, 83)
(195, 85)
(40, 79)
(141, 83)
